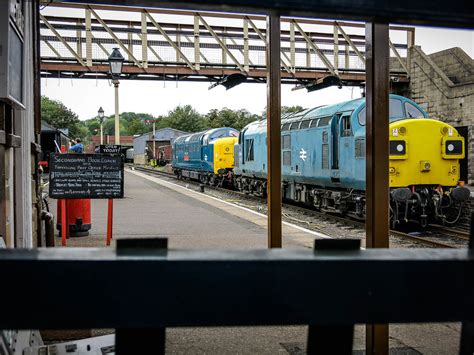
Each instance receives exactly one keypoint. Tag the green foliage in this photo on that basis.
(136, 126)
(131, 123)
(184, 118)
(58, 115)
(290, 109)
(229, 118)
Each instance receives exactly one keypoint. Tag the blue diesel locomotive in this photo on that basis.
(323, 160)
(205, 156)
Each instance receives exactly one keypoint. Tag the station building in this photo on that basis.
(141, 144)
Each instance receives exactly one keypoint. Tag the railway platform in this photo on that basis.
(155, 207)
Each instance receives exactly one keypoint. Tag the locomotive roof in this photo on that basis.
(192, 137)
(320, 111)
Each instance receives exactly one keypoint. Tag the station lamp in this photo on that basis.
(116, 60)
(101, 114)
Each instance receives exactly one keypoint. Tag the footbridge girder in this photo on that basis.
(163, 44)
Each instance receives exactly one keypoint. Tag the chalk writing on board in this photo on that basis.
(86, 176)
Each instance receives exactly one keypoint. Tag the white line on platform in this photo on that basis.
(317, 234)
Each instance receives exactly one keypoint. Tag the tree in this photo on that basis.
(229, 118)
(58, 115)
(291, 109)
(136, 126)
(109, 127)
(184, 118)
(131, 123)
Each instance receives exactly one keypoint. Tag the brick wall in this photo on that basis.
(444, 83)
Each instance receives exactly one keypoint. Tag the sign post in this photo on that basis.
(110, 218)
(64, 226)
(95, 176)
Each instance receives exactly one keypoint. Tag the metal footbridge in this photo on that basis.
(174, 45)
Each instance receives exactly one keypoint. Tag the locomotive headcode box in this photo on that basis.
(110, 149)
(85, 176)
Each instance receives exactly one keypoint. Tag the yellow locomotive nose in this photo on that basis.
(424, 152)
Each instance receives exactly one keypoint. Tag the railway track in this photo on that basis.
(435, 237)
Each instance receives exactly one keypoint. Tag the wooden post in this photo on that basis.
(377, 135)
(273, 131)
(110, 219)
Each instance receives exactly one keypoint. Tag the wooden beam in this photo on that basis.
(274, 131)
(377, 135)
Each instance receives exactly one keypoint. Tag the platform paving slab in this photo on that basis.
(153, 207)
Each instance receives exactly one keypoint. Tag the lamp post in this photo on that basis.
(115, 62)
(101, 122)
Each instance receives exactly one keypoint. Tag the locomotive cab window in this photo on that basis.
(346, 130)
(412, 111)
(361, 117)
(285, 127)
(249, 149)
(396, 109)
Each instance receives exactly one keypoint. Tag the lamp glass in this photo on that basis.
(115, 67)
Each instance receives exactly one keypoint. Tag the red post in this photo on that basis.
(110, 217)
(64, 226)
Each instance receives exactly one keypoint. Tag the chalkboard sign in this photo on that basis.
(110, 149)
(85, 176)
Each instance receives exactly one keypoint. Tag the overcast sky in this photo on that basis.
(157, 97)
